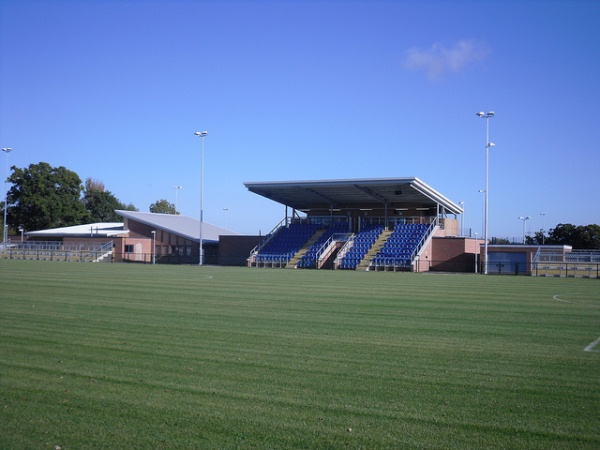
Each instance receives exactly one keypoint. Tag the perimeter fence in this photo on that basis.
(57, 251)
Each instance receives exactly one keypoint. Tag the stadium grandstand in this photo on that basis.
(391, 224)
(361, 224)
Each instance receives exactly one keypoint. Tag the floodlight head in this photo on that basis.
(491, 144)
(481, 114)
(201, 133)
(7, 149)
(490, 114)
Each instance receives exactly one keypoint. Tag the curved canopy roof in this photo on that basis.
(353, 193)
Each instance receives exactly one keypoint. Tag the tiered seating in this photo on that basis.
(285, 243)
(398, 249)
(363, 241)
(309, 259)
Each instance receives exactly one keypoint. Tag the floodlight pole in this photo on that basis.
(176, 192)
(202, 135)
(6, 150)
(153, 246)
(543, 226)
(488, 144)
(462, 219)
(225, 212)
(524, 219)
(476, 252)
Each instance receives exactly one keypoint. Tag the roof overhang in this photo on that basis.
(104, 229)
(353, 193)
(180, 225)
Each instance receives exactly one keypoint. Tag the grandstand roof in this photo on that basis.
(353, 193)
(177, 224)
(104, 229)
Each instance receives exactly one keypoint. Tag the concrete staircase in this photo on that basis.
(363, 265)
(293, 262)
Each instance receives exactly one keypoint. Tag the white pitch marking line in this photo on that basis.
(590, 348)
(555, 297)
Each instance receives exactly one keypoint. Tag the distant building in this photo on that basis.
(169, 238)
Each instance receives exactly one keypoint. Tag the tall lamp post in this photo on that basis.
(176, 192)
(524, 219)
(225, 212)
(476, 252)
(6, 150)
(488, 144)
(202, 135)
(543, 227)
(462, 219)
(153, 246)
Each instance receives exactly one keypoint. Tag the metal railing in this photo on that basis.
(565, 269)
(336, 237)
(251, 259)
(58, 251)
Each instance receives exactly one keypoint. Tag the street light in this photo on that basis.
(488, 144)
(543, 226)
(153, 246)
(524, 219)
(462, 218)
(202, 135)
(5, 229)
(476, 252)
(482, 192)
(225, 212)
(176, 192)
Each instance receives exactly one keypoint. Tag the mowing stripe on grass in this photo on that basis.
(128, 356)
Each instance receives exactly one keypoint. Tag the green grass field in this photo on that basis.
(129, 356)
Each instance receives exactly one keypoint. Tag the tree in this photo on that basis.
(163, 207)
(101, 204)
(42, 197)
(578, 237)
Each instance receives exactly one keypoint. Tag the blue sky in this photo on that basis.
(308, 90)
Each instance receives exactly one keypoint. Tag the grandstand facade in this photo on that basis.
(361, 224)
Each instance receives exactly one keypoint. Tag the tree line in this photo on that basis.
(44, 197)
(577, 236)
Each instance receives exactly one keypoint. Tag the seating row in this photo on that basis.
(286, 243)
(309, 259)
(401, 245)
(363, 241)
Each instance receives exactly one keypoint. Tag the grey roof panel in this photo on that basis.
(105, 229)
(177, 224)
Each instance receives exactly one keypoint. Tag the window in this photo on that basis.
(129, 249)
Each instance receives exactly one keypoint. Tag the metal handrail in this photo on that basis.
(426, 236)
(336, 237)
(267, 238)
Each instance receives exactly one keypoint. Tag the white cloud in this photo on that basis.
(438, 60)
